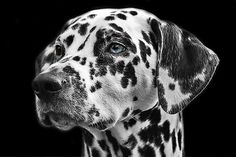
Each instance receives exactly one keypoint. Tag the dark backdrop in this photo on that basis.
(29, 26)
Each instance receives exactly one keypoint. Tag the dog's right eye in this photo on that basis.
(59, 51)
(116, 48)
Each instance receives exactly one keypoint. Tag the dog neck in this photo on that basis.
(148, 133)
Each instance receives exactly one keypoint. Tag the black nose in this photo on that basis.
(46, 84)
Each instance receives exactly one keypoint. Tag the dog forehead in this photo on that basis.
(129, 19)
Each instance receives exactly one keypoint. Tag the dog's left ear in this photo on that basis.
(185, 66)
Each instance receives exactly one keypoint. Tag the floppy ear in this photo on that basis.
(185, 66)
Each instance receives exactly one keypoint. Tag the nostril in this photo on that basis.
(51, 86)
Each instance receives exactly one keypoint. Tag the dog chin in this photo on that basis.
(60, 121)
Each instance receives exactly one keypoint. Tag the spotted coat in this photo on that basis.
(124, 76)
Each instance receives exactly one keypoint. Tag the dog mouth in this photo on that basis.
(61, 121)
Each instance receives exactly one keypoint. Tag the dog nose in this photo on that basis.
(46, 84)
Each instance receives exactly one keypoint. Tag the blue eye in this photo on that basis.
(116, 48)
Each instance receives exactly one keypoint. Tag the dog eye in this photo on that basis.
(59, 51)
(116, 48)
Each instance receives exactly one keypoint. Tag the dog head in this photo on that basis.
(107, 63)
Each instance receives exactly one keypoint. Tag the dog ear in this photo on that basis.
(185, 66)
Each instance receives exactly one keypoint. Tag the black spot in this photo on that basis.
(92, 29)
(71, 71)
(155, 116)
(135, 98)
(91, 16)
(76, 58)
(109, 18)
(152, 133)
(136, 60)
(148, 51)
(161, 93)
(83, 29)
(95, 153)
(92, 89)
(123, 11)
(105, 147)
(180, 139)
(172, 86)
(83, 62)
(104, 60)
(75, 26)
(88, 138)
(113, 141)
(146, 37)
(81, 47)
(132, 122)
(144, 115)
(126, 112)
(131, 142)
(153, 72)
(121, 16)
(173, 141)
(120, 66)
(69, 40)
(155, 34)
(112, 69)
(166, 130)
(98, 85)
(127, 35)
(90, 64)
(80, 92)
(133, 13)
(101, 71)
(155, 81)
(116, 27)
(124, 82)
(162, 150)
(102, 144)
(129, 73)
(136, 111)
(142, 51)
(125, 151)
(147, 64)
(147, 151)
(92, 72)
(126, 125)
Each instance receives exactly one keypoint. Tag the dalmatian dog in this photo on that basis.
(124, 76)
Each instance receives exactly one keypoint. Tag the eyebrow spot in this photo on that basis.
(83, 29)
(121, 16)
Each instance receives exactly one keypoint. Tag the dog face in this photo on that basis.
(108, 63)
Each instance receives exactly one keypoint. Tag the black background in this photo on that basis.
(29, 26)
